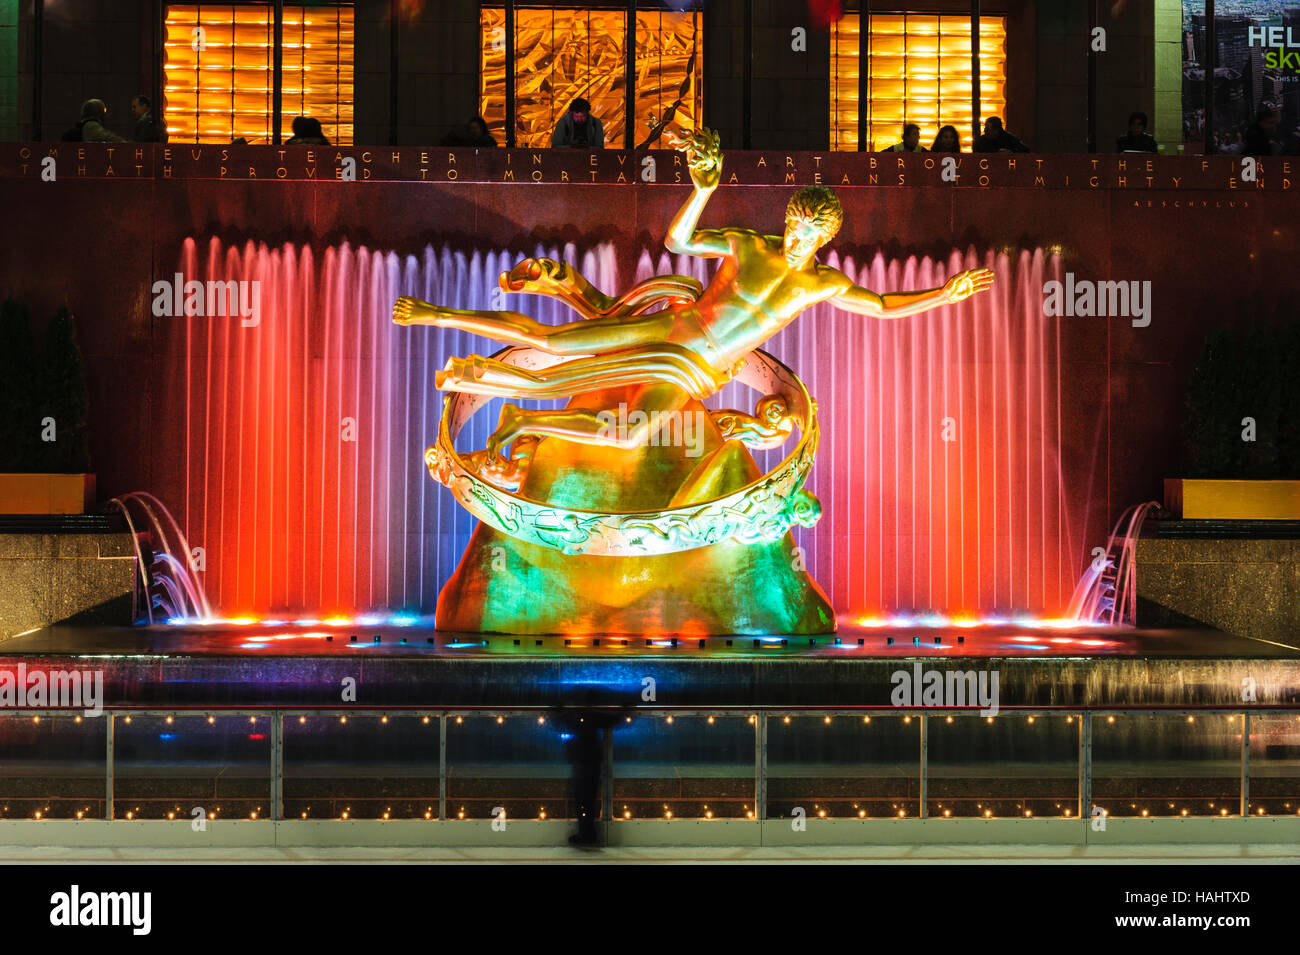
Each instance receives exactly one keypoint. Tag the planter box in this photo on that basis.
(1194, 499)
(47, 493)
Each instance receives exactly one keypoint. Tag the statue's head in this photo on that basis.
(812, 218)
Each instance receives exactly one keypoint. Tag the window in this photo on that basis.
(562, 53)
(918, 71)
(218, 69)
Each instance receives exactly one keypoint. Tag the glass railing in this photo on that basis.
(697, 764)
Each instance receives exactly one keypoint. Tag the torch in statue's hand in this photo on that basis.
(965, 284)
(703, 155)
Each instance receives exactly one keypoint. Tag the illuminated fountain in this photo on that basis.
(939, 472)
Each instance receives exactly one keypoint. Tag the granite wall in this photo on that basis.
(1250, 588)
(47, 578)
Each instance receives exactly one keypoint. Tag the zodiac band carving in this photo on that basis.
(676, 342)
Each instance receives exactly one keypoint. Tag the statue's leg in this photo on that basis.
(594, 336)
(514, 328)
(649, 364)
(583, 337)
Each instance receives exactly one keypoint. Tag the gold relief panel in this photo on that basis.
(562, 53)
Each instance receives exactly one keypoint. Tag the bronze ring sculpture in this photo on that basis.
(764, 509)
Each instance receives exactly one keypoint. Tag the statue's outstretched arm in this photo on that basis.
(863, 301)
(704, 158)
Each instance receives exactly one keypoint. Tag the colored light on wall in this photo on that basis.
(919, 71)
(565, 53)
(218, 62)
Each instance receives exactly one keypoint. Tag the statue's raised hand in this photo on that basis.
(703, 155)
(405, 310)
(965, 284)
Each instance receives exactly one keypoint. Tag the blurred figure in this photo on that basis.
(1259, 137)
(947, 141)
(579, 128)
(473, 133)
(90, 128)
(998, 140)
(584, 728)
(1137, 139)
(911, 141)
(146, 130)
(307, 132)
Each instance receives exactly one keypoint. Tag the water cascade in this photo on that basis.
(303, 434)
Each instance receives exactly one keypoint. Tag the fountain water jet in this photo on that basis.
(1107, 592)
(940, 470)
(165, 581)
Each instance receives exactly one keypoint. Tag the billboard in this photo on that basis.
(1256, 63)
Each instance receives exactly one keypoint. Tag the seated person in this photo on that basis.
(579, 128)
(90, 128)
(146, 129)
(911, 141)
(1137, 139)
(473, 133)
(998, 140)
(947, 141)
(1259, 137)
(307, 132)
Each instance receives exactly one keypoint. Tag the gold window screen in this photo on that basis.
(564, 53)
(918, 71)
(218, 83)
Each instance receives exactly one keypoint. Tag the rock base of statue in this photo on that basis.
(504, 585)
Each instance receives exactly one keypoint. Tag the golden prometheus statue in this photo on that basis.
(635, 510)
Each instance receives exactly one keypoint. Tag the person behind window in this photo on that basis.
(579, 128)
(473, 133)
(1292, 147)
(911, 141)
(947, 141)
(1137, 139)
(1259, 137)
(1229, 144)
(146, 130)
(90, 128)
(998, 140)
(307, 132)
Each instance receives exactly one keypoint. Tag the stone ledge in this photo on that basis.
(1247, 587)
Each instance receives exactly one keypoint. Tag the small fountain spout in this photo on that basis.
(169, 581)
(1107, 592)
